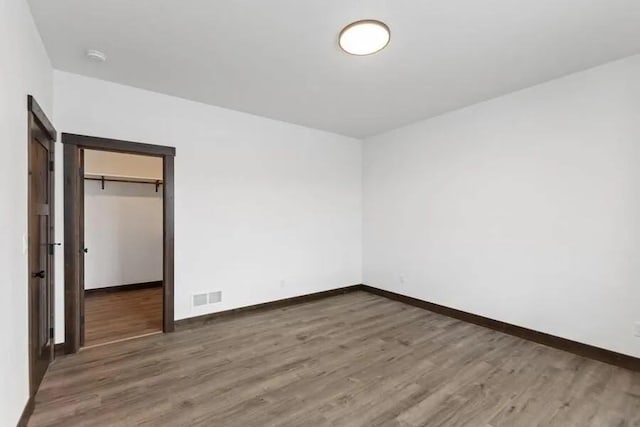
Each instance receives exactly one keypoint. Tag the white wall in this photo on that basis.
(123, 233)
(24, 69)
(123, 221)
(524, 209)
(264, 209)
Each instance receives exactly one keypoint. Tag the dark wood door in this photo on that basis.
(40, 252)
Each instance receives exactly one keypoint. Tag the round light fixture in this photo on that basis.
(364, 37)
(96, 55)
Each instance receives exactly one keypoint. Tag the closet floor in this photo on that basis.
(113, 316)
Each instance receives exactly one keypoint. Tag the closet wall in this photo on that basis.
(123, 221)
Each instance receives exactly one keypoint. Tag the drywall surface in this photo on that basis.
(524, 208)
(264, 209)
(122, 221)
(24, 70)
(123, 234)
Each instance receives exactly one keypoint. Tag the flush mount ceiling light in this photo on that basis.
(364, 37)
(96, 55)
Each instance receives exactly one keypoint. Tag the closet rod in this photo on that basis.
(157, 182)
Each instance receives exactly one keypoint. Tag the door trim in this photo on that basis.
(72, 144)
(34, 108)
(36, 116)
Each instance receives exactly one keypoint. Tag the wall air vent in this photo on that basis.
(206, 298)
(199, 299)
(215, 297)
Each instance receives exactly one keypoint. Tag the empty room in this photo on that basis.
(320, 213)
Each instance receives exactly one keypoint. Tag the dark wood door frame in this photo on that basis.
(37, 121)
(72, 146)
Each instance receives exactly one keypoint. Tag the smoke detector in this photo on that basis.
(96, 55)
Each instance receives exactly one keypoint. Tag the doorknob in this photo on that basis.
(85, 250)
(39, 274)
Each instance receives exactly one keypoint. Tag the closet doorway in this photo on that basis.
(118, 240)
(122, 246)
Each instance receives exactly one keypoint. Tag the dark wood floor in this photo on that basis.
(350, 360)
(112, 316)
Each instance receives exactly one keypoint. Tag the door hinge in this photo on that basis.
(50, 332)
(51, 165)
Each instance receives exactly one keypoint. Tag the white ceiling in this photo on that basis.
(280, 58)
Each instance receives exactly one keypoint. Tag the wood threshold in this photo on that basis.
(120, 340)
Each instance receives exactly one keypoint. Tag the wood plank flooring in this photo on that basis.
(111, 316)
(350, 360)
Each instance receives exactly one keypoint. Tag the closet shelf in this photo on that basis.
(123, 178)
